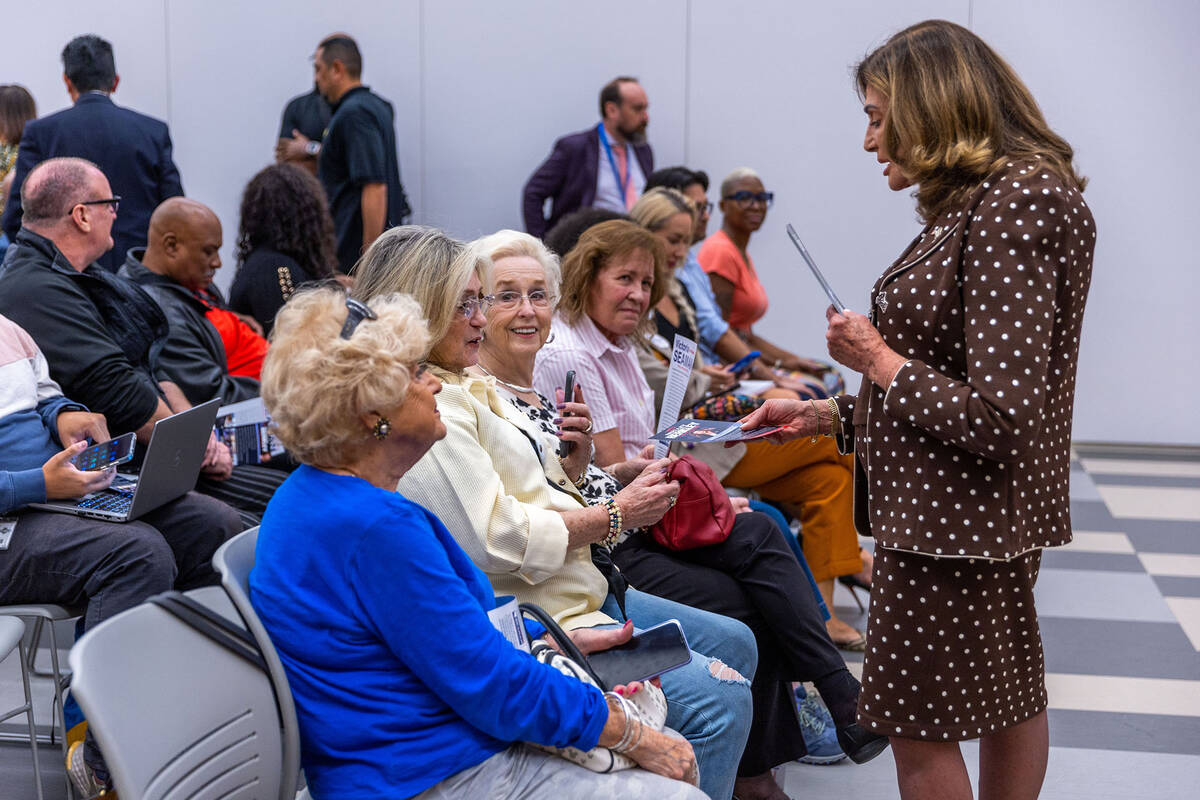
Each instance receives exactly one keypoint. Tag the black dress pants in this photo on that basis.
(753, 577)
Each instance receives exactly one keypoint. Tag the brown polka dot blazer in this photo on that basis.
(967, 453)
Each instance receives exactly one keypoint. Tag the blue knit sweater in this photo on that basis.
(380, 620)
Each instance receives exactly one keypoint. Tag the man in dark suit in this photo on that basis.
(132, 149)
(593, 167)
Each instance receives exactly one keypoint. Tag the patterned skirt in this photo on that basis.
(953, 646)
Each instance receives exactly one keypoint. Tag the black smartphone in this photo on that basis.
(106, 454)
(564, 448)
(648, 654)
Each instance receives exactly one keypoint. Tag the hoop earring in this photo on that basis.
(550, 338)
(382, 428)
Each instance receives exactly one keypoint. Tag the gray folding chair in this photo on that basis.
(43, 616)
(12, 630)
(176, 714)
(234, 560)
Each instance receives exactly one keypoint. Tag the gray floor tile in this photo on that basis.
(1082, 486)
(1109, 647)
(16, 773)
(1141, 732)
(1171, 586)
(1141, 480)
(1162, 536)
(1057, 558)
(1089, 515)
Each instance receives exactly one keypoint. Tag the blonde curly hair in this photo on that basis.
(316, 385)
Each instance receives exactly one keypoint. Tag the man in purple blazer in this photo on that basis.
(593, 167)
(131, 149)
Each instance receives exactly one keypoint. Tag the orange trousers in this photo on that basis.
(819, 483)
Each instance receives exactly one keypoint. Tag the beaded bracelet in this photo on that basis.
(615, 523)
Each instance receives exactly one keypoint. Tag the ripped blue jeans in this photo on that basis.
(706, 702)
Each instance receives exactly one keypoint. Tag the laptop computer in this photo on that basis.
(170, 469)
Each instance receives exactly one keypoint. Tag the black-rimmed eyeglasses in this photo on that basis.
(356, 312)
(114, 201)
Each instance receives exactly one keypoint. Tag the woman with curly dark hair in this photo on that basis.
(285, 240)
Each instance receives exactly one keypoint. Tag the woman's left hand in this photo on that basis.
(854, 342)
(593, 640)
(574, 423)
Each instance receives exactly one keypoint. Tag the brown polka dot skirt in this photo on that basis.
(953, 646)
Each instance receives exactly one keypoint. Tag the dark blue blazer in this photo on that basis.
(568, 178)
(131, 149)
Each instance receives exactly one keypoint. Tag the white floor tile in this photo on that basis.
(1123, 695)
(1099, 542)
(1148, 502)
(1129, 466)
(1187, 611)
(1099, 594)
(1181, 565)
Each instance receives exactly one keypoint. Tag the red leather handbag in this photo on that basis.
(702, 515)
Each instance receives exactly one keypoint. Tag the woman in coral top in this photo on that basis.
(738, 291)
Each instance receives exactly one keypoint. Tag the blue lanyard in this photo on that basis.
(622, 186)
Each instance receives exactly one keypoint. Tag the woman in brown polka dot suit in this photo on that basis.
(962, 427)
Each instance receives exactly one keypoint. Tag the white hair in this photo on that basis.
(741, 173)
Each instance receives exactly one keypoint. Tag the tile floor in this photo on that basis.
(1120, 616)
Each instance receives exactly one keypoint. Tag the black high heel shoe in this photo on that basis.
(854, 583)
(861, 744)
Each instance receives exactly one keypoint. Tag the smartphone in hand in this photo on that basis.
(564, 448)
(106, 454)
(744, 362)
(648, 654)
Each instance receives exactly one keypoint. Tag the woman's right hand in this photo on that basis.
(644, 501)
(667, 755)
(796, 418)
(625, 471)
(65, 481)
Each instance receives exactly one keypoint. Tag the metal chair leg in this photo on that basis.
(33, 739)
(58, 719)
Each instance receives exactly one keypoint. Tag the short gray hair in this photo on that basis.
(53, 188)
(426, 263)
(508, 243)
(739, 174)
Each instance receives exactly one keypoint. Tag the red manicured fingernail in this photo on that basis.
(620, 690)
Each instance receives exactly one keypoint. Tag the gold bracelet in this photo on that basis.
(817, 416)
(835, 421)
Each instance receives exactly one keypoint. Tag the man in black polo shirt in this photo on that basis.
(358, 163)
(303, 128)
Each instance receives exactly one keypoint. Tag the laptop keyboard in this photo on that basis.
(115, 502)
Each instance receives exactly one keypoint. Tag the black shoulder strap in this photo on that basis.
(211, 625)
(566, 646)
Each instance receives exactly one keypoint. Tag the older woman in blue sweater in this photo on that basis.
(403, 687)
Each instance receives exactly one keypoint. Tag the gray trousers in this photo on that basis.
(113, 566)
(521, 771)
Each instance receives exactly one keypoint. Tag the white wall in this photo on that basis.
(482, 89)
